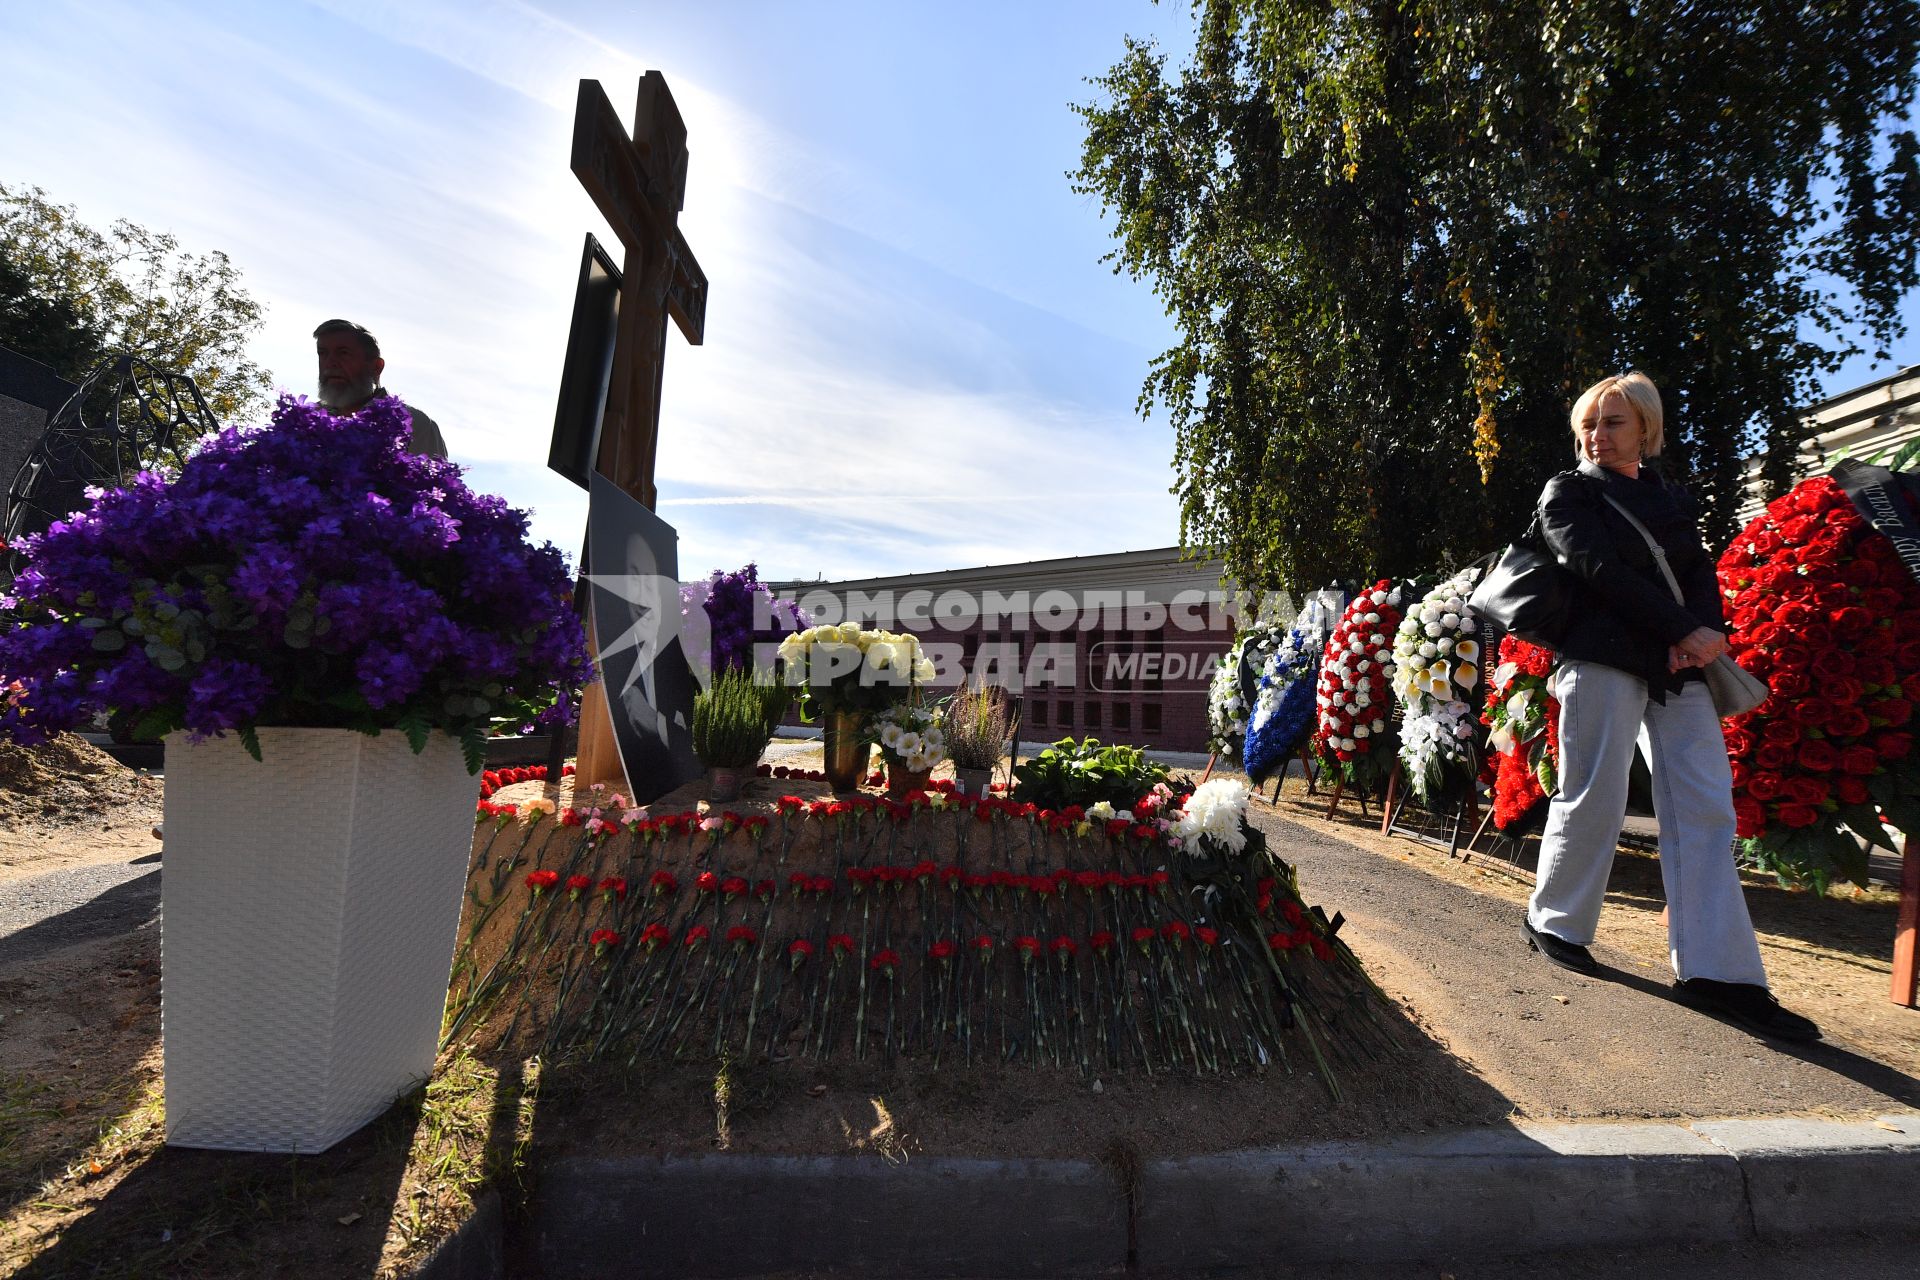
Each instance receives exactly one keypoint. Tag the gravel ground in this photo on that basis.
(40, 914)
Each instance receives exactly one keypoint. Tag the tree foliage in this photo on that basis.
(70, 293)
(1397, 239)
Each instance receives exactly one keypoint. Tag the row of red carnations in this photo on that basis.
(607, 822)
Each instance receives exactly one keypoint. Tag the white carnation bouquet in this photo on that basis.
(1215, 814)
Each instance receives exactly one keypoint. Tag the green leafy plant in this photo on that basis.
(1085, 773)
(734, 719)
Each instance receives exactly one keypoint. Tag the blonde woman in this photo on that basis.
(1629, 669)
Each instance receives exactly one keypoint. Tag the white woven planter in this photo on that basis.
(308, 910)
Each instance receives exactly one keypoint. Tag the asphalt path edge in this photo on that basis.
(1530, 1189)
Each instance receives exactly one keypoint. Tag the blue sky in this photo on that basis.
(915, 358)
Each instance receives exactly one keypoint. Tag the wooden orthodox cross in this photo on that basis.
(638, 183)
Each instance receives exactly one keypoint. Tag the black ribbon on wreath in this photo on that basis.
(1888, 500)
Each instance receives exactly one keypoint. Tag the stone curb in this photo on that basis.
(1802, 1176)
(747, 1215)
(1535, 1188)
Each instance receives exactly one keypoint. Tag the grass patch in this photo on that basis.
(119, 1203)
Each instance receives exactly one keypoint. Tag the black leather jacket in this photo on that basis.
(1624, 614)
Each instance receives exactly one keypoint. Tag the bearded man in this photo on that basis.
(350, 368)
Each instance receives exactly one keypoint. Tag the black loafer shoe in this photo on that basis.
(1563, 953)
(1747, 1006)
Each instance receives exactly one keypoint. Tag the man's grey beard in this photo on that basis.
(349, 395)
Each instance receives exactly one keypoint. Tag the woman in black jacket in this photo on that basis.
(1629, 669)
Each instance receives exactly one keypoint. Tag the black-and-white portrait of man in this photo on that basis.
(633, 564)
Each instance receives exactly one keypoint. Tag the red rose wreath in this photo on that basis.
(1821, 609)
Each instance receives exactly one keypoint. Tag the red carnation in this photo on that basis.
(697, 935)
(799, 949)
(840, 942)
(1027, 945)
(942, 950)
(742, 934)
(706, 882)
(541, 881)
(885, 961)
(601, 939)
(1101, 940)
(982, 944)
(614, 885)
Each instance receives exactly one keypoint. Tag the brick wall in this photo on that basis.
(1105, 629)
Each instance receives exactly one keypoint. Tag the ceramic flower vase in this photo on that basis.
(847, 748)
(309, 903)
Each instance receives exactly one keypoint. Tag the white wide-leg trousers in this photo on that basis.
(1603, 713)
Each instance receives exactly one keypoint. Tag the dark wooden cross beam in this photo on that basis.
(639, 184)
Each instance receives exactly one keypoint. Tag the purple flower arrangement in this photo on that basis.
(741, 612)
(312, 573)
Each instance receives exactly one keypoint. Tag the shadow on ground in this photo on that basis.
(116, 911)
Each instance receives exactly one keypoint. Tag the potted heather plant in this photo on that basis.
(976, 722)
(322, 626)
(733, 720)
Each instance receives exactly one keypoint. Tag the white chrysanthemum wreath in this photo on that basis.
(1227, 707)
(1436, 654)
